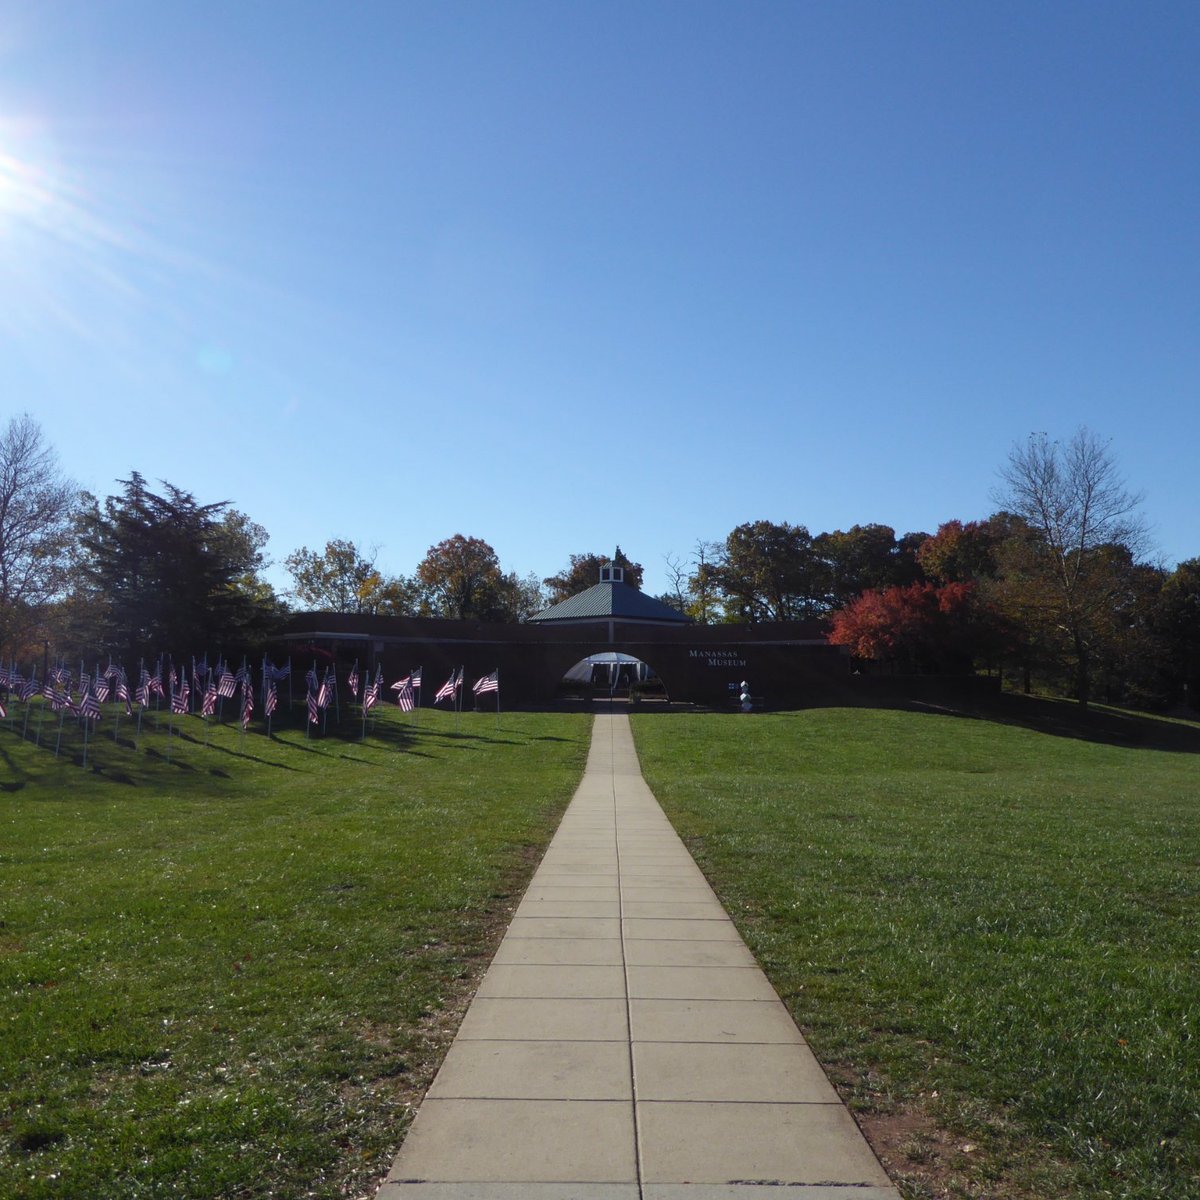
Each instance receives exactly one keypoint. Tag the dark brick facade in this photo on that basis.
(785, 663)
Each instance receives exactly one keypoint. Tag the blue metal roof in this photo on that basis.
(612, 601)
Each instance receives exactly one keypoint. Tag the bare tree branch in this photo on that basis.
(36, 506)
(1086, 527)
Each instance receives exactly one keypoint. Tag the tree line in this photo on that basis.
(1054, 589)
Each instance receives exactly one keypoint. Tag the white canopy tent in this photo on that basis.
(584, 670)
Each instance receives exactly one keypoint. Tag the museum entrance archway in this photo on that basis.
(613, 675)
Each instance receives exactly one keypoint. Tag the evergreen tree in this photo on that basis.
(161, 573)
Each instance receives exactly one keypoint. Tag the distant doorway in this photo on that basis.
(613, 675)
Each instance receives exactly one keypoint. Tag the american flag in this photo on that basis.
(416, 679)
(404, 697)
(208, 705)
(227, 685)
(29, 689)
(122, 688)
(352, 681)
(142, 695)
(89, 707)
(4, 680)
(323, 695)
(100, 687)
(402, 683)
(310, 677)
(247, 703)
(314, 713)
(3, 710)
(173, 678)
(57, 696)
(371, 695)
(85, 681)
(271, 698)
(281, 672)
(199, 672)
(489, 683)
(155, 681)
(179, 699)
(448, 689)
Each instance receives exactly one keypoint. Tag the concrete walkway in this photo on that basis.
(624, 1045)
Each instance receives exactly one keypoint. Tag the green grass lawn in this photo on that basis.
(989, 933)
(230, 972)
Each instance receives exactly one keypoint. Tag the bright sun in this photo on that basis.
(28, 191)
(20, 193)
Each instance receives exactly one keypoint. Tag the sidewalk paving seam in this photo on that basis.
(637, 1137)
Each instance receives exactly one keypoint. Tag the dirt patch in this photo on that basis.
(929, 1160)
(915, 1151)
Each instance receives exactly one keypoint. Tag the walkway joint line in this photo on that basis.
(637, 1140)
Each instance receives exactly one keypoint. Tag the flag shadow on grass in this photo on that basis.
(451, 736)
(14, 785)
(195, 741)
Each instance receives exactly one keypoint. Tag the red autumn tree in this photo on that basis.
(921, 627)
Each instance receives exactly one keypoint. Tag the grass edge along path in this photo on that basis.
(988, 934)
(233, 973)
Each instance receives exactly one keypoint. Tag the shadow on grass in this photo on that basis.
(1056, 718)
(1064, 718)
(462, 735)
(195, 741)
(13, 785)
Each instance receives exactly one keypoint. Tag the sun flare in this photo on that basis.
(25, 194)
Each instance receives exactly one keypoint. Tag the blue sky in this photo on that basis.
(565, 275)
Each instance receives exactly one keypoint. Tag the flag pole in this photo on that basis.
(29, 701)
(269, 709)
(41, 713)
(141, 703)
(170, 717)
